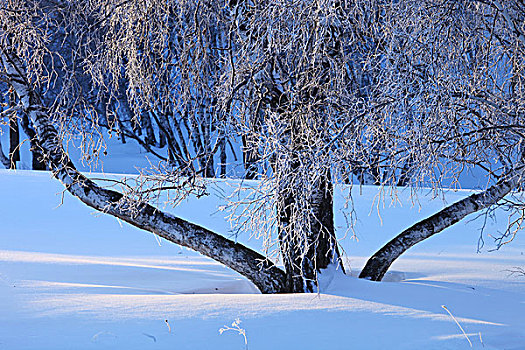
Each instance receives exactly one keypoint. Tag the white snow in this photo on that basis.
(74, 279)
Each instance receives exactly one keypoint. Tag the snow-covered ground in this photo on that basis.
(74, 279)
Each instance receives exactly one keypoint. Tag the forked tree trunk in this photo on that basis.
(263, 273)
(380, 262)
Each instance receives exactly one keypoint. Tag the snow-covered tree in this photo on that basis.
(315, 92)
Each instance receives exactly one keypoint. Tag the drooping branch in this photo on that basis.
(258, 269)
(380, 262)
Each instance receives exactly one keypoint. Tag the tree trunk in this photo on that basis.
(380, 262)
(223, 159)
(14, 135)
(249, 158)
(263, 273)
(36, 151)
(323, 239)
(146, 125)
(303, 259)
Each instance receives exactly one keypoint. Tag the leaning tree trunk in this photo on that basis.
(380, 262)
(263, 273)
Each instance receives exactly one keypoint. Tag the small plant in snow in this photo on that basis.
(168, 324)
(516, 271)
(462, 330)
(236, 328)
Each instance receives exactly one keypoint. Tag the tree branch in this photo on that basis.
(257, 268)
(380, 262)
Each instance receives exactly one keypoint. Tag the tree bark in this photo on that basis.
(145, 121)
(223, 160)
(303, 260)
(263, 273)
(36, 151)
(14, 135)
(380, 262)
(249, 158)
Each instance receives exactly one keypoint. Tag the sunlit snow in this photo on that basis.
(74, 279)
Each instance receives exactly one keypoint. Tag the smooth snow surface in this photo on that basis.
(74, 279)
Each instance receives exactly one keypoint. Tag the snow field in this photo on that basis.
(74, 279)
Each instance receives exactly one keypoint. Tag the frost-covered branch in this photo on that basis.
(267, 277)
(380, 262)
